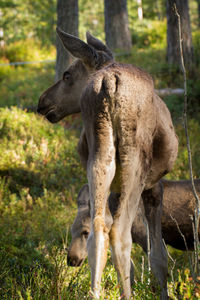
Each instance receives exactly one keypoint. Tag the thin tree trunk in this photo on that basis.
(116, 25)
(2, 43)
(198, 7)
(173, 49)
(140, 10)
(158, 9)
(67, 20)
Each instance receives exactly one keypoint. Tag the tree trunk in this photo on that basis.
(173, 51)
(67, 20)
(158, 10)
(2, 43)
(198, 7)
(140, 10)
(116, 25)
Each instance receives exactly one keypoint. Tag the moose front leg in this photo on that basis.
(158, 257)
(100, 172)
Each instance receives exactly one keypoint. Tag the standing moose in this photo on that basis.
(128, 143)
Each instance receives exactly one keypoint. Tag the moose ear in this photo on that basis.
(97, 44)
(83, 199)
(77, 47)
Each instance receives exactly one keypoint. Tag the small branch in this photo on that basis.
(148, 247)
(145, 222)
(185, 243)
(168, 91)
(173, 266)
(142, 274)
(182, 235)
(197, 210)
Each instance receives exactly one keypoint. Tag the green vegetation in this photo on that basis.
(40, 177)
(40, 172)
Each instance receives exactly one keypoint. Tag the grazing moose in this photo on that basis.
(128, 143)
(178, 203)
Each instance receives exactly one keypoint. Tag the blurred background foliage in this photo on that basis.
(40, 171)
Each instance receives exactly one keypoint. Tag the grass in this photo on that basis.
(22, 85)
(40, 176)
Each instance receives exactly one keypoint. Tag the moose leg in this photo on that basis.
(120, 233)
(100, 172)
(121, 255)
(83, 149)
(113, 206)
(158, 257)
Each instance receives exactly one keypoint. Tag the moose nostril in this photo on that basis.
(41, 109)
(44, 105)
(74, 261)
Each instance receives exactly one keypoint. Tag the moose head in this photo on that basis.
(63, 97)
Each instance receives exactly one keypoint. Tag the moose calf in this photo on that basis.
(178, 208)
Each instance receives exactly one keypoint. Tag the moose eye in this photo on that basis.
(85, 233)
(66, 76)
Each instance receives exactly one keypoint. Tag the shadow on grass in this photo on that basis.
(18, 178)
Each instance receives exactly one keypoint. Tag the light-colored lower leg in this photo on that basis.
(121, 243)
(98, 243)
(100, 176)
(120, 233)
(121, 259)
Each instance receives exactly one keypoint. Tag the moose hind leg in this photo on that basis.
(152, 199)
(120, 233)
(121, 243)
(100, 172)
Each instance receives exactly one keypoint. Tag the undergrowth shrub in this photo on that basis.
(149, 34)
(40, 176)
(26, 50)
(22, 86)
(181, 167)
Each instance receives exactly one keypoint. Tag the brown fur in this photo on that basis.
(130, 142)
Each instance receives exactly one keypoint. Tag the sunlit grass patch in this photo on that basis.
(40, 176)
(23, 85)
